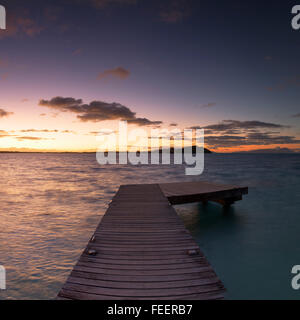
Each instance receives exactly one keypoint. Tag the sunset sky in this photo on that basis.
(70, 68)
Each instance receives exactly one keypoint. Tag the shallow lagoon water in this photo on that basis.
(52, 203)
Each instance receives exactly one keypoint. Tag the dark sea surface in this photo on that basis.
(51, 204)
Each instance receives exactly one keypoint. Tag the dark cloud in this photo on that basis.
(296, 115)
(37, 130)
(29, 138)
(144, 122)
(233, 133)
(101, 111)
(175, 11)
(96, 110)
(119, 73)
(45, 131)
(268, 58)
(69, 131)
(63, 104)
(3, 63)
(77, 52)
(52, 13)
(4, 76)
(251, 139)
(20, 24)
(104, 132)
(271, 150)
(236, 126)
(100, 4)
(104, 3)
(4, 113)
(173, 124)
(286, 83)
(209, 105)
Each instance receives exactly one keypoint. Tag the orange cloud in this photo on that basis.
(20, 25)
(177, 11)
(104, 3)
(119, 73)
(4, 113)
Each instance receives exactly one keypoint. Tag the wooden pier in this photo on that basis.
(142, 251)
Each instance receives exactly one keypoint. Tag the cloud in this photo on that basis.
(4, 113)
(96, 111)
(77, 52)
(20, 24)
(46, 131)
(63, 104)
(296, 115)
(173, 124)
(119, 73)
(69, 131)
(38, 130)
(289, 82)
(4, 134)
(30, 138)
(104, 3)
(175, 12)
(4, 76)
(144, 122)
(103, 132)
(209, 105)
(3, 63)
(52, 13)
(236, 126)
(272, 150)
(251, 139)
(268, 58)
(233, 133)
(100, 4)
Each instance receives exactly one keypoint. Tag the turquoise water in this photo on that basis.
(51, 204)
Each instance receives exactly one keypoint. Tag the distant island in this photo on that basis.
(172, 150)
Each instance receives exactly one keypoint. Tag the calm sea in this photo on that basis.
(51, 204)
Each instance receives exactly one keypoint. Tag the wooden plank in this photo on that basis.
(77, 295)
(144, 273)
(159, 293)
(135, 261)
(118, 267)
(143, 279)
(144, 285)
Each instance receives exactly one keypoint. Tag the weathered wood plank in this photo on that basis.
(77, 295)
(159, 293)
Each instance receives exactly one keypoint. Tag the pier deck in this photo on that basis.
(142, 251)
(188, 192)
